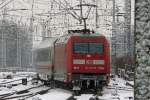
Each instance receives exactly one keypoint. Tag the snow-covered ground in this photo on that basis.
(54, 94)
(116, 90)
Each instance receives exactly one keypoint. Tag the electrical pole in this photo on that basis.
(31, 32)
(113, 39)
(81, 12)
(114, 30)
(85, 17)
(128, 25)
(96, 2)
(3, 39)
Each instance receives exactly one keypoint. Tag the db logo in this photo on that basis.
(89, 61)
(88, 55)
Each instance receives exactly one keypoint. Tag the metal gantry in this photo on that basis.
(63, 15)
(128, 25)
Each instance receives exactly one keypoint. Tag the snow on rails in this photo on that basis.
(116, 90)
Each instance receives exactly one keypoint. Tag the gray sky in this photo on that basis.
(44, 6)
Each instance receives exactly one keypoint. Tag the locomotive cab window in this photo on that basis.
(95, 48)
(80, 47)
(88, 48)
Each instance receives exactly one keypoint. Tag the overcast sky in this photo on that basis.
(44, 6)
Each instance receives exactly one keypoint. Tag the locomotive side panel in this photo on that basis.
(107, 57)
(60, 66)
(69, 60)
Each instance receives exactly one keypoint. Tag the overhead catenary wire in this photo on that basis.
(2, 2)
(65, 6)
(6, 4)
(62, 5)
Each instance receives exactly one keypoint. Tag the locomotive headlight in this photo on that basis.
(102, 62)
(72, 81)
(101, 68)
(78, 61)
(69, 73)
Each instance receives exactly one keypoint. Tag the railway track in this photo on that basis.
(13, 82)
(2, 83)
(121, 88)
(14, 88)
(26, 93)
(40, 90)
(100, 96)
(92, 95)
(26, 96)
(31, 92)
(19, 79)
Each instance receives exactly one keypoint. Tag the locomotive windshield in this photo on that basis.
(88, 48)
(95, 48)
(81, 47)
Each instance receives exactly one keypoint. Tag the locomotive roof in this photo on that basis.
(86, 35)
(84, 32)
(64, 38)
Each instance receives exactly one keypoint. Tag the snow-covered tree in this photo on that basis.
(142, 41)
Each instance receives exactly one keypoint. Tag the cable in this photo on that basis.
(6, 4)
(60, 4)
(2, 2)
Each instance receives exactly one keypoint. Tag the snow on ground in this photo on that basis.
(54, 94)
(116, 90)
(6, 84)
(84, 97)
(24, 87)
(115, 95)
(131, 82)
(5, 91)
(121, 90)
(17, 76)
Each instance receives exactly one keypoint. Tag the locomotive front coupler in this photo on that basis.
(76, 85)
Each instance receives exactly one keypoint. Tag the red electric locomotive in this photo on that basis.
(79, 59)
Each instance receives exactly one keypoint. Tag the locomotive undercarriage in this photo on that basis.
(88, 82)
(81, 83)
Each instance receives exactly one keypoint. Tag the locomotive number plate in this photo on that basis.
(89, 61)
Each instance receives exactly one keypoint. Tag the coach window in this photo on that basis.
(43, 55)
